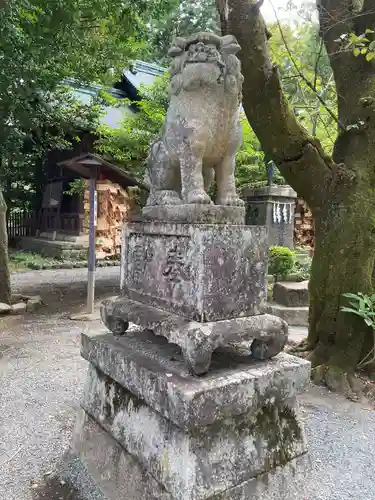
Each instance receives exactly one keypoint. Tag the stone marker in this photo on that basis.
(291, 294)
(193, 278)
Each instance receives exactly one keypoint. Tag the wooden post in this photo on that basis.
(92, 244)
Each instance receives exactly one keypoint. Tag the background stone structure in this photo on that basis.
(273, 207)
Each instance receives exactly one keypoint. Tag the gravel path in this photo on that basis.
(65, 285)
(41, 382)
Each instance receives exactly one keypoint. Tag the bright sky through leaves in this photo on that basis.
(284, 12)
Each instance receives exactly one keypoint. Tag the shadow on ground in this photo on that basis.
(54, 489)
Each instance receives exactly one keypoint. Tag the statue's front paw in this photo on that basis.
(231, 200)
(198, 197)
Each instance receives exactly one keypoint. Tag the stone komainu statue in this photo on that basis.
(202, 131)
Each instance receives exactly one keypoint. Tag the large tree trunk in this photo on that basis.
(5, 289)
(343, 262)
(339, 190)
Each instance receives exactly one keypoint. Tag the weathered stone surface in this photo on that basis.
(291, 294)
(199, 464)
(154, 371)
(119, 476)
(198, 214)
(115, 472)
(198, 438)
(18, 308)
(202, 272)
(294, 316)
(202, 130)
(4, 308)
(266, 334)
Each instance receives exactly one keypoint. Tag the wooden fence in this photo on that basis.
(21, 223)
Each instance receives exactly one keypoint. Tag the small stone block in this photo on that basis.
(33, 305)
(291, 294)
(19, 308)
(4, 308)
(294, 316)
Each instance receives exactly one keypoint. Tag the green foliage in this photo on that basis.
(360, 45)
(129, 144)
(363, 305)
(298, 50)
(182, 18)
(22, 261)
(78, 186)
(302, 270)
(281, 261)
(45, 44)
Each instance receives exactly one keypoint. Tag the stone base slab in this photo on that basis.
(196, 214)
(267, 334)
(294, 316)
(99, 461)
(291, 294)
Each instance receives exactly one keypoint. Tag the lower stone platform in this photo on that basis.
(100, 468)
(151, 430)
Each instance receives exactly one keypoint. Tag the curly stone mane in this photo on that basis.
(205, 59)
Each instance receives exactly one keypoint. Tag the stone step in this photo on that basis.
(291, 294)
(294, 316)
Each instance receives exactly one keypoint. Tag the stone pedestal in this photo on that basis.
(201, 286)
(150, 430)
(272, 207)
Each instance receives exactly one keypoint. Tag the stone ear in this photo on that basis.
(178, 47)
(175, 51)
(233, 48)
(229, 45)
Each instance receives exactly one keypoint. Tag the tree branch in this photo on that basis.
(300, 158)
(352, 74)
(312, 86)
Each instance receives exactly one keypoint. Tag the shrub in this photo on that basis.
(302, 270)
(281, 261)
(363, 306)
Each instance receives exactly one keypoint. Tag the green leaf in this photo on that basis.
(369, 322)
(369, 31)
(356, 52)
(350, 310)
(351, 295)
(364, 51)
(370, 56)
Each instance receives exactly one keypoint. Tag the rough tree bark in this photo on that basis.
(339, 189)
(5, 289)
